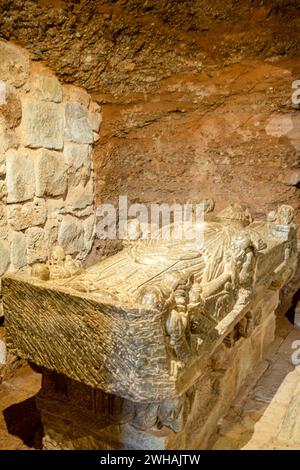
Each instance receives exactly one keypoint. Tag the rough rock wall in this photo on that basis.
(196, 95)
(46, 174)
(231, 134)
(121, 46)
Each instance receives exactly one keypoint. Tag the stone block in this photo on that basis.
(51, 231)
(78, 159)
(4, 256)
(3, 222)
(42, 124)
(89, 226)
(10, 105)
(95, 120)
(89, 210)
(71, 235)
(9, 138)
(79, 197)
(36, 244)
(14, 64)
(47, 88)
(77, 126)
(18, 250)
(54, 207)
(20, 179)
(22, 216)
(74, 93)
(50, 172)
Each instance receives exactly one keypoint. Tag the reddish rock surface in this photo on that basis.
(196, 97)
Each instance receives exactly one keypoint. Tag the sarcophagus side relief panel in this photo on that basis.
(183, 422)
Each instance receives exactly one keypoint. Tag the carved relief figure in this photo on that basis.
(59, 266)
(243, 256)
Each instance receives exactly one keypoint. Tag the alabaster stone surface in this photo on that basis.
(105, 421)
(159, 337)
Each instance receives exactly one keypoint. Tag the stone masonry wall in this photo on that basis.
(47, 131)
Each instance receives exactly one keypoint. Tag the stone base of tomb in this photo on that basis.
(76, 416)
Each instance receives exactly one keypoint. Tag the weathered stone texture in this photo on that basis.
(14, 64)
(47, 88)
(3, 190)
(20, 178)
(37, 249)
(3, 222)
(10, 105)
(18, 250)
(54, 207)
(77, 126)
(74, 93)
(4, 256)
(42, 124)
(51, 176)
(9, 138)
(21, 216)
(89, 226)
(187, 106)
(71, 235)
(78, 158)
(51, 231)
(79, 197)
(208, 404)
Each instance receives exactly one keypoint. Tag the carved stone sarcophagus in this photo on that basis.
(147, 348)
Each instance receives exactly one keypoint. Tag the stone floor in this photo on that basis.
(20, 426)
(266, 415)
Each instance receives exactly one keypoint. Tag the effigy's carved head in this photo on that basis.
(57, 255)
